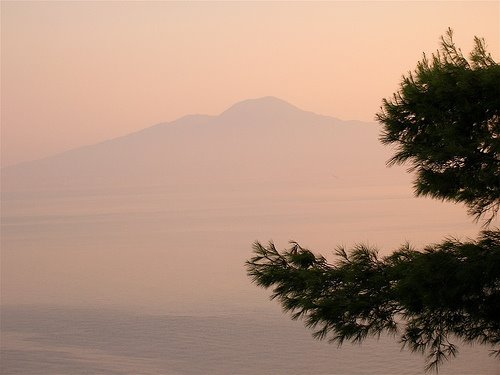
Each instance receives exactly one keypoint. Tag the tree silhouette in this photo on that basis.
(445, 123)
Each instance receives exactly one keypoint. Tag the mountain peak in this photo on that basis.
(267, 105)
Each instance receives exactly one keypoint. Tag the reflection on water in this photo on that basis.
(160, 274)
(88, 341)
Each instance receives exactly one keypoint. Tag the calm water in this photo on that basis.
(153, 282)
(88, 341)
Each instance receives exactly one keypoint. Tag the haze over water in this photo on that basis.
(127, 255)
(104, 277)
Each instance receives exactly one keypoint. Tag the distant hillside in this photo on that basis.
(262, 140)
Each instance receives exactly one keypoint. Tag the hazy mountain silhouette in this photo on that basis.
(262, 140)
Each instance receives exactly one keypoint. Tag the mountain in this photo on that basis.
(261, 141)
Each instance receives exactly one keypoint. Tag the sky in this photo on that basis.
(79, 72)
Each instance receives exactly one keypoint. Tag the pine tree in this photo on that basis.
(445, 124)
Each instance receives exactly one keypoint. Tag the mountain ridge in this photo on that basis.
(239, 108)
(262, 139)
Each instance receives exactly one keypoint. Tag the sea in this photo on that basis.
(52, 340)
(152, 281)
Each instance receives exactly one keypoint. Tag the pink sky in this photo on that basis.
(75, 73)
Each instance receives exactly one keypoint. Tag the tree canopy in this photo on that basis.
(445, 123)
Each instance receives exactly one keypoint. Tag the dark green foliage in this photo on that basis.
(445, 122)
(448, 290)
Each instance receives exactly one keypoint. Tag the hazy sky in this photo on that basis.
(75, 73)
